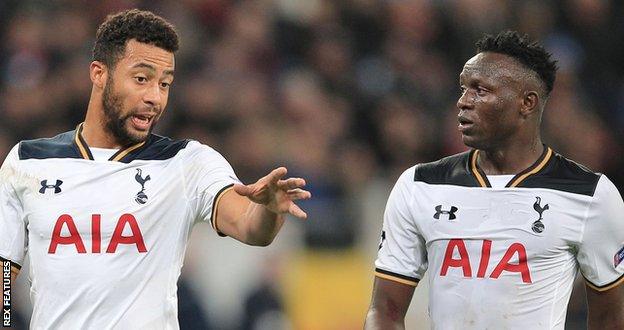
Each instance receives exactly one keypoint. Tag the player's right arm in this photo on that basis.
(13, 235)
(389, 305)
(401, 259)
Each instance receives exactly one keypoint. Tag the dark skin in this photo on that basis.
(605, 308)
(499, 113)
(389, 305)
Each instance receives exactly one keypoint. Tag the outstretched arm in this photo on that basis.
(389, 305)
(605, 308)
(254, 214)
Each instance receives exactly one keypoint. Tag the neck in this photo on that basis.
(510, 159)
(94, 130)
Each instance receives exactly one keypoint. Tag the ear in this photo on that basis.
(530, 103)
(98, 73)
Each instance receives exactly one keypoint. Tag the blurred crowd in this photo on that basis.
(346, 93)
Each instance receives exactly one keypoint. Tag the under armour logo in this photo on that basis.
(45, 185)
(141, 197)
(450, 213)
(538, 226)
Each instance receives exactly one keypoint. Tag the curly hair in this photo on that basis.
(143, 26)
(529, 53)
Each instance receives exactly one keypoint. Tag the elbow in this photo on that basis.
(261, 241)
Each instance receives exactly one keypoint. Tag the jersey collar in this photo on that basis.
(85, 152)
(481, 178)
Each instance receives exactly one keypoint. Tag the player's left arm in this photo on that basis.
(254, 213)
(601, 257)
(605, 308)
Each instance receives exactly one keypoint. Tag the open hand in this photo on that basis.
(277, 194)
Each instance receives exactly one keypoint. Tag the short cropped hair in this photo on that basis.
(143, 26)
(529, 53)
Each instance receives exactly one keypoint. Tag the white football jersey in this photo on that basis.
(106, 239)
(502, 258)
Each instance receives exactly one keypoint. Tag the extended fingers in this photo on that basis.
(297, 193)
(277, 174)
(243, 190)
(291, 183)
(297, 211)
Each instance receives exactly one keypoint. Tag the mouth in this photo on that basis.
(142, 121)
(464, 124)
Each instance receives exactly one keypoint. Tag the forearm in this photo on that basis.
(260, 225)
(605, 310)
(605, 318)
(378, 320)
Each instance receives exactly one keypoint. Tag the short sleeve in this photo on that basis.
(601, 252)
(13, 234)
(402, 255)
(208, 175)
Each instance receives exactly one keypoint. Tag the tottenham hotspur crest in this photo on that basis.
(538, 226)
(141, 197)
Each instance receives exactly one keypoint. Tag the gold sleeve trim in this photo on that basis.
(396, 279)
(607, 287)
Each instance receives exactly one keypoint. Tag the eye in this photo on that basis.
(165, 84)
(140, 79)
(481, 91)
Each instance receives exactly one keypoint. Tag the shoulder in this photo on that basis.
(565, 175)
(190, 152)
(159, 147)
(451, 170)
(607, 191)
(60, 146)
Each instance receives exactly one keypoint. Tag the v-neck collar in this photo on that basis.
(483, 181)
(85, 152)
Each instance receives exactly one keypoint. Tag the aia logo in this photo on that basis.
(74, 238)
(516, 251)
(45, 186)
(450, 213)
(538, 226)
(141, 197)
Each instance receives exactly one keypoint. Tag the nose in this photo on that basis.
(153, 96)
(465, 101)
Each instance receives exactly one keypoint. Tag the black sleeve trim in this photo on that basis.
(398, 277)
(214, 209)
(13, 263)
(607, 286)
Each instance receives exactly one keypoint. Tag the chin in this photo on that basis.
(139, 136)
(472, 142)
(133, 136)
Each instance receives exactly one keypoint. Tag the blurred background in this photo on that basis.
(346, 93)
